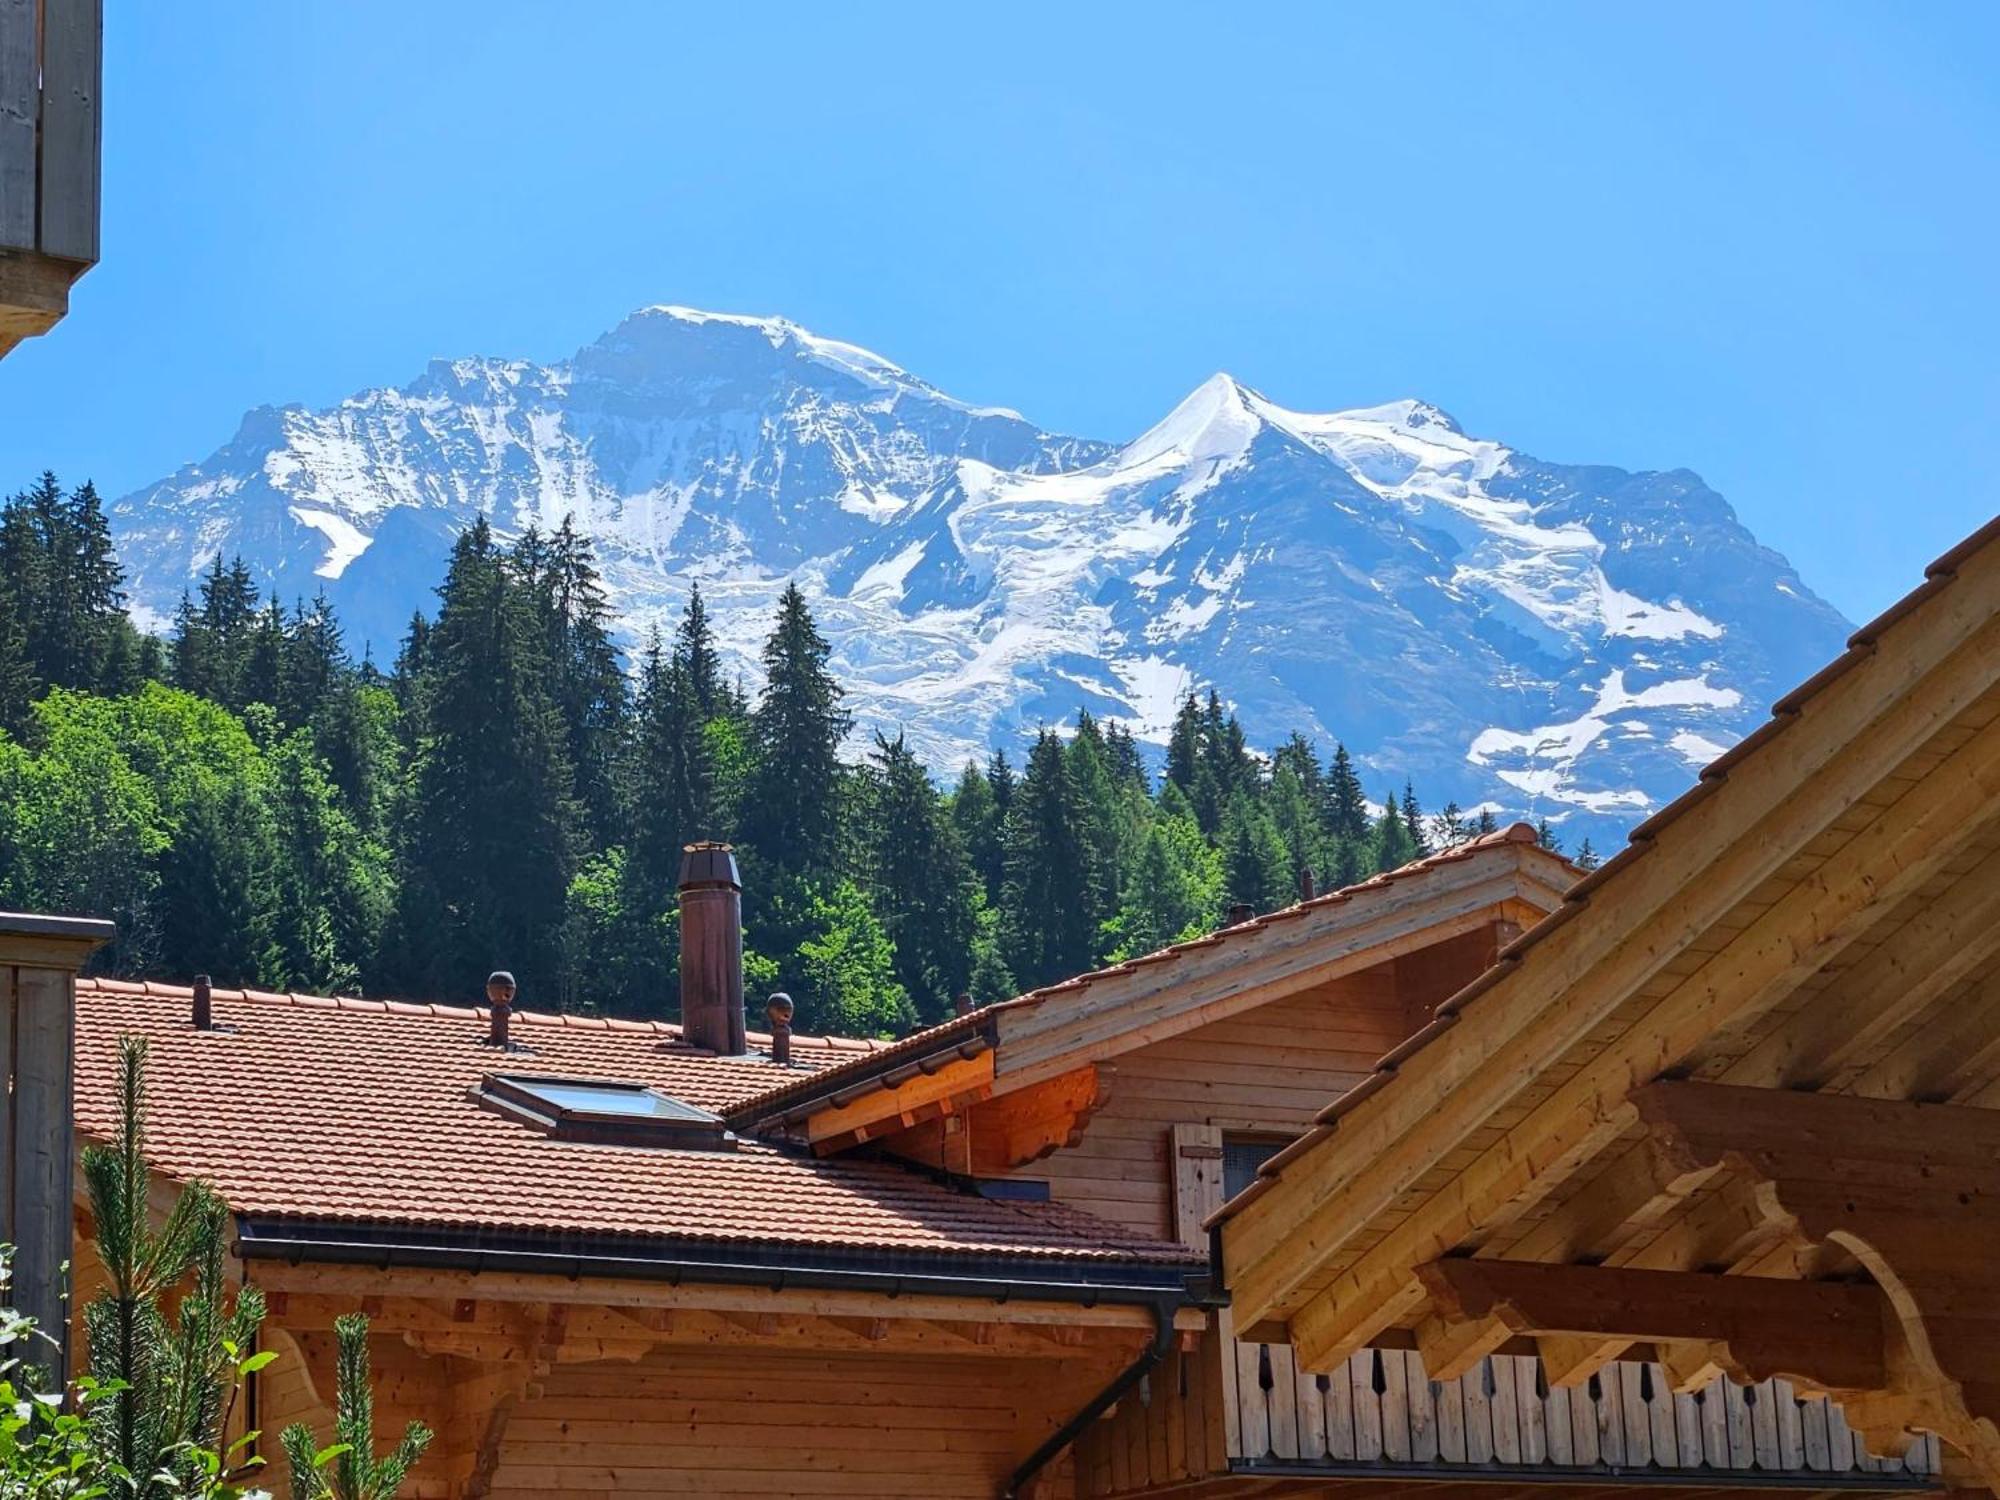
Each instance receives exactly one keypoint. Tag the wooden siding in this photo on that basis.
(696, 1422)
(1268, 1070)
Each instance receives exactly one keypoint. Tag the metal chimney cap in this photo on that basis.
(709, 863)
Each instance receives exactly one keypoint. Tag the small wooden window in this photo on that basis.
(600, 1111)
(1242, 1155)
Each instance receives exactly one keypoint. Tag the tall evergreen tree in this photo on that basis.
(799, 723)
(920, 880)
(1256, 867)
(694, 646)
(586, 679)
(1048, 911)
(492, 840)
(976, 813)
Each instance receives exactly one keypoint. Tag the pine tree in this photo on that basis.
(1414, 822)
(492, 838)
(313, 663)
(694, 646)
(586, 679)
(1586, 856)
(976, 813)
(1256, 868)
(1184, 746)
(1545, 835)
(168, 1380)
(1048, 913)
(1295, 819)
(347, 1467)
(799, 723)
(1448, 828)
(218, 887)
(1173, 890)
(921, 884)
(18, 683)
(1394, 844)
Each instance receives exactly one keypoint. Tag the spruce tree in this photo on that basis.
(1394, 844)
(1257, 870)
(920, 881)
(694, 647)
(1413, 822)
(493, 831)
(976, 813)
(1048, 910)
(797, 729)
(586, 679)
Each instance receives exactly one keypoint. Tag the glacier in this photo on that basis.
(1542, 639)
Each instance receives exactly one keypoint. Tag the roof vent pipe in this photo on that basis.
(500, 991)
(1307, 889)
(711, 895)
(204, 1004)
(962, 1006)
(1239, 913)
(779, 1009)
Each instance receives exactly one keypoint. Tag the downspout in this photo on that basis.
(1098, 1405)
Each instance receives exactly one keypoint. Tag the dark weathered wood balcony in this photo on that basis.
(51, 61)
(1202, 1424)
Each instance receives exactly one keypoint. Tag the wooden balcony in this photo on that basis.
(51, 61)
(1254, 1418)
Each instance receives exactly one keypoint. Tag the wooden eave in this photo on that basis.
(1087, 1022)
(1813, 926)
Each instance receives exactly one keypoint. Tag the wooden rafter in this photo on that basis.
(1912, 1191)
(1875, 869)
(1823, 1334)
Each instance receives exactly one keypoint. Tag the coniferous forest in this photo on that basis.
(249, 801)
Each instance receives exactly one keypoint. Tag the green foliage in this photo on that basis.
(348, 1468)
(285, 817)
(164, 1381)
(845, 964)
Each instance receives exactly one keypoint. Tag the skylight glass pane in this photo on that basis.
(610, 1099)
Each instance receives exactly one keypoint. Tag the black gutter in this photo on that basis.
(1102, 1402)
(777, 1267)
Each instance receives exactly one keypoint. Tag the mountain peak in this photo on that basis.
(1410, 414)
(1217, 421)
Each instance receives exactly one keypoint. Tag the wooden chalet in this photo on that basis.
(51, 60)
(1729, 1114)
(1676, 1174)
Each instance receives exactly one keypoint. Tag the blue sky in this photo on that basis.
(1758, 242)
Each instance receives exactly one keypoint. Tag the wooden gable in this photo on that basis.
(1764, 1041)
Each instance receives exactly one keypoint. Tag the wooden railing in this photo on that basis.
(1382, 1414)
(1382, 1407)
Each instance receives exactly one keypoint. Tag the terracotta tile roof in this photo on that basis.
(788, 1095)
(314, 1108)
(1639, 843)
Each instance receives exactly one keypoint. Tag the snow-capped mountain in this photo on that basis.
(1564, 640)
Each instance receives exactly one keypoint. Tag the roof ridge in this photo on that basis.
(438, 1009)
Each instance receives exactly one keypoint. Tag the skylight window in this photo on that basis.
(602, 1112)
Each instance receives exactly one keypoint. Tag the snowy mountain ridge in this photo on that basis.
(1551, 639)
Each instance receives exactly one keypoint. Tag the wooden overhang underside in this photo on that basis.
(1765, 1043)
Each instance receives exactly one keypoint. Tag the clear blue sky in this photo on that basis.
(1756, 241)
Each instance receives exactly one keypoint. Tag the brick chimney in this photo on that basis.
(711, 897)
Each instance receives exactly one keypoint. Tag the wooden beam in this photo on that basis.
(1850, 736)
(886, 1111)
(1936, 948)
(1120, 1013)
(1878, 866)
(1828, 1334)
(1912, 1191)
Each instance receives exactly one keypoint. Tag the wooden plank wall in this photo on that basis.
(1269, 1070)
(726, 1424)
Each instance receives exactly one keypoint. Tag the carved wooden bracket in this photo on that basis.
(1912, 1191)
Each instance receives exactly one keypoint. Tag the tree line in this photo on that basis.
(249, 801)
